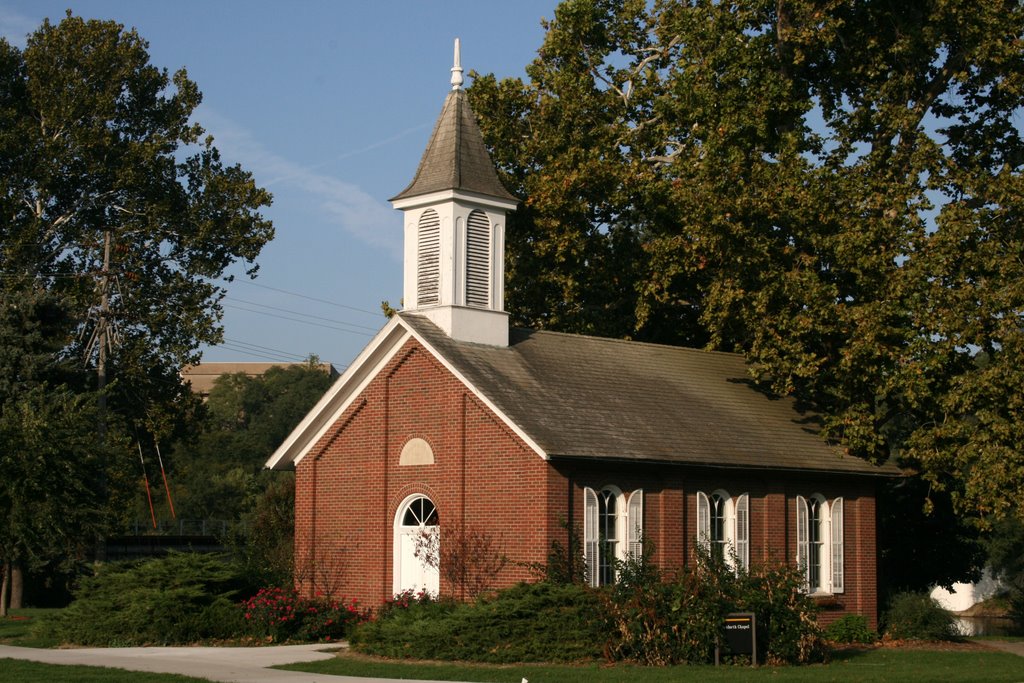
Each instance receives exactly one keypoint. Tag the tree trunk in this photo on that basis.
(17, 585)
(4, 584)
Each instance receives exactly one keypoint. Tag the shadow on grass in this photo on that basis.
(18, 628)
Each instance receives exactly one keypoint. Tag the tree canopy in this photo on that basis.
(832, 188)
(118, 219)
(113, 199)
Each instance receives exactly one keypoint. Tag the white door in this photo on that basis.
(417, 540)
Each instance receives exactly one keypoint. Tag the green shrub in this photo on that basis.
(850, 628)
(540, 622)
(657, 621)
(178, 599)
(914, 616)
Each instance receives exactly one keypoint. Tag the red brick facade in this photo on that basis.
(350, 486)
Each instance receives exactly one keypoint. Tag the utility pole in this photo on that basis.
(102, 335)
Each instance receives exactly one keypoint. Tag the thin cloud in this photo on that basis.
(15, 26)
(351, 208)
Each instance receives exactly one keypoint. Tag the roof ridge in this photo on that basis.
(628, 341)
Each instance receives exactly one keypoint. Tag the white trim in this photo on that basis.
(802, 542)
(364, 369)
(837, 578)
(703, 521)
(340, 396)
(591, 550)
(741, 532)
(454, 195)
(635, 525)
(396, 543)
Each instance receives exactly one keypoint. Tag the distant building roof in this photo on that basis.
(456, 158)
(203, 375)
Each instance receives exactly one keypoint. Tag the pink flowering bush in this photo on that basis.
(406, 599)
(280, 614)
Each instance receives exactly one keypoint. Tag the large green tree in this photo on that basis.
(833, 188)
(118, 220)
(113, 198)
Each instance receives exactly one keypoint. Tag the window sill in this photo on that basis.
(826, 600)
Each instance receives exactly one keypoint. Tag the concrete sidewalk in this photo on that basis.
(227, 664)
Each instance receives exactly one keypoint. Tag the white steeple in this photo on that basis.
(455, 211)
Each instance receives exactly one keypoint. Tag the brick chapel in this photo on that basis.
(449, 420)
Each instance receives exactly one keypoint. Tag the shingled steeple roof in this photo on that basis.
(456, 158)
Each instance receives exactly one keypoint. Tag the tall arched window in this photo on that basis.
(819, 543)
(478, 260)
(612, 531)
(723, 526)
(428, 259)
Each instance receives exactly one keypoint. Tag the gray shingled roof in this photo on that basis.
(587, 397)
(456, 158)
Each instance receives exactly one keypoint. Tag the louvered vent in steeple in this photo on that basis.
(478, 260)
(428, 259)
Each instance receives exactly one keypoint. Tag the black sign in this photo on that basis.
(739, 636)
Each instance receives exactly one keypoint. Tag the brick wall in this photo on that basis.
(351, 485)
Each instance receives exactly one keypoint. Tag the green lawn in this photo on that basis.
(18, 671)
(871, 665)
(16, 629)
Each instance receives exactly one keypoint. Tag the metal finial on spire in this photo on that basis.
(457, 69)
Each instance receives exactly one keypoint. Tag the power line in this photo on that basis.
(305, 315)
(311, 298)
(297, 320)
(265, 351)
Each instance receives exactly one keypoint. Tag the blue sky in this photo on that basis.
(330, 105)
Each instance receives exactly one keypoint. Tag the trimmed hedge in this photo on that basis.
(539, 622)
(645, 618)
(179, 599)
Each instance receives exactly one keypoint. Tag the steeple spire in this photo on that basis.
(455, 211)
(457, 68)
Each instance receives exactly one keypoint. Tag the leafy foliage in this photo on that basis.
(279, 614)
(850, 628)
(527, 623)
(51, 490)
(470, 560)
(679, 620)
(916, 616)
(833, 189)
(180, 599)
(649, 619)
(119, 216)
(219, 472)
(1006, 556)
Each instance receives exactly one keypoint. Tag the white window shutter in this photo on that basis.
(635, 524)
(478, 260)
(742, 531)
(591, 542)
(428, 260)
(703, 521)
(802, 548)
(837, 546)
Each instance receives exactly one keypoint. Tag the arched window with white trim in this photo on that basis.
(612, 531)
(723, 527)
(819, 539)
